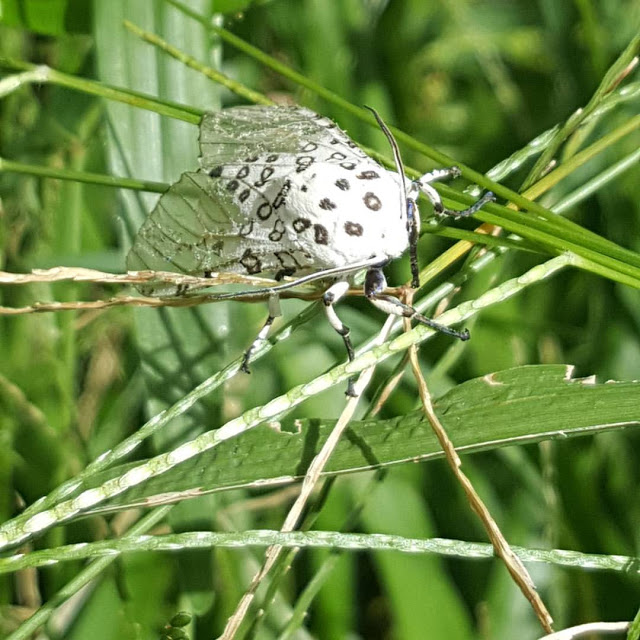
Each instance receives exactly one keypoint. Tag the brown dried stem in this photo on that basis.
(501, 547)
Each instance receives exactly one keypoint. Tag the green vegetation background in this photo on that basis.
(477, 80)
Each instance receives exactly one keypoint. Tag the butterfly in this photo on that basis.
(283, 191)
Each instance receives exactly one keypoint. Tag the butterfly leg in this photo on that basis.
(274, 312)
(375, 283)
(424, 185)
(330, 297)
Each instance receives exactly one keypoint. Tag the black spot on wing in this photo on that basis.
(327, 205)
(368, 175)
(301, 224)
(251, 262)
(288, 262)
(246, 229)
(353, 229)
(321, 235)
(277, 232)
(265, 174)
(371, 201)
(303, 163)
(280, 199)
(264, 211)
(288, 271)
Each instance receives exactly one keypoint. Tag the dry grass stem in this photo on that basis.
(502, 549)
(308, 485)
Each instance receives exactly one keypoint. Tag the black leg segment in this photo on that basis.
(424, 185)
(375, 283)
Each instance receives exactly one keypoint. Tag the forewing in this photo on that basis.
(234, 214)
(196, 228)
(239, 135)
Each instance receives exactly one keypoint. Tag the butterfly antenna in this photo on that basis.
(406, 202)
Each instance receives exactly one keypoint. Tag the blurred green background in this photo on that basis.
(477, 80)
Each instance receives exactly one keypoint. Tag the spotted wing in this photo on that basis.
(196, 228)
(240, 135)
(234, 214)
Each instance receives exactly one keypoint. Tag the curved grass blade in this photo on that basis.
(517, 406)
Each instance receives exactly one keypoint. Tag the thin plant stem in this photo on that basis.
(84, 577)
(25, 527)
(213, 74)
(514, 565)
(82, 176)
(309, 483)
(44, 74)
(518, 200)
(622, 565)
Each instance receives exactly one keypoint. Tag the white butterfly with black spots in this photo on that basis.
(283, 191)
